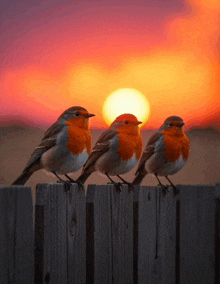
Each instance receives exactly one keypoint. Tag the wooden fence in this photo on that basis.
(140, 236)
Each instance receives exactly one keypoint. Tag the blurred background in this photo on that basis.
(57, 54)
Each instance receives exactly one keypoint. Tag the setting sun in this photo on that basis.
(126, 100)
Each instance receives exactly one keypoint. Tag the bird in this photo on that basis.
(116, 151)
(64, 148)
(166, 152)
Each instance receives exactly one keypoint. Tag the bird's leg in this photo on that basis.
(164, 187)
(130, 185)
(70, 179)
(176, 191)
(66, 183)
(116, 184)
(80, 185)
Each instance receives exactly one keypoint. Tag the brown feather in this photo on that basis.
(101, 147)
(148, 152)
(48, 141)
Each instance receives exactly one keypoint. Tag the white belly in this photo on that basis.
(162, 168)
(106, 164)
(63, 162)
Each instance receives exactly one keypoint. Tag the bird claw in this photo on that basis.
(130, 187)
(118, 186)
(67, 185)
(175, 190)
(80, 186)
(165, 189)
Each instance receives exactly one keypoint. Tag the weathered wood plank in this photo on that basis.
(103, 262)
(7, 233)
(217, 233)
(197, 230)
(76, 233)
(166, 260)
(157, 236)
(24, 249)
(52, 240)
(147, 235)
(90, 234)
(135, 232)
(113, 236)
(60, 243)
(16, 235)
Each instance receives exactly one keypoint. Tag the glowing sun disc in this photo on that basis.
(126, 100)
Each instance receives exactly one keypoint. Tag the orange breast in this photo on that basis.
(176, 145)
(129, 145)
(79, 140)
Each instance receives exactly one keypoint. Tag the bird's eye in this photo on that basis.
(170, 124)
(126, 122)
(77, 114)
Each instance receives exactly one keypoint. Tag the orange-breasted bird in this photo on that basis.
(64, 148)
(166, 152)
(117, 150)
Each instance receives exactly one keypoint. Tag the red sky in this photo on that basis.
(57, 54)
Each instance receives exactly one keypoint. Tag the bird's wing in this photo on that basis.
(148, 151)
(101, 147)
(47, 142)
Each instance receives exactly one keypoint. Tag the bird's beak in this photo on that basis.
(89, 115)
(137, 122)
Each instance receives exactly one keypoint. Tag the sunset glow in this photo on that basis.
(126, 101)
(80, 53)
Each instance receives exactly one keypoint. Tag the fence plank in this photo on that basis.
(60, 235)
(16, 235)
(51, 200)
(166, 261)
(90, 234)
(197, 231)
(113, 236)
(147, 235)
(188, 253)
(157, 236)
(76, 226)
(217, 235)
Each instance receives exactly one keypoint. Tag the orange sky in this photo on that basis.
(77, 54)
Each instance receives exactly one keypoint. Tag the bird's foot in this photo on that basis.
(175, 190)
(66, 183)
(129, 184)
(118, 185)
(165, 188)
(80, 185)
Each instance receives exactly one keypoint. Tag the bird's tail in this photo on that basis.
(83, 177)
(139, 177)
(22, 179)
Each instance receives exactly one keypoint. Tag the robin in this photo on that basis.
(117, 150)
(64, 148)
(166, 152)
